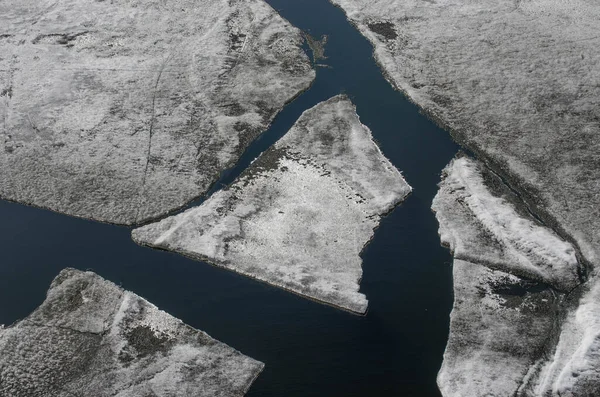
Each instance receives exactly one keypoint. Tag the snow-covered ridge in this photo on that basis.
(574, 368)
(482, 228)
(511, 335)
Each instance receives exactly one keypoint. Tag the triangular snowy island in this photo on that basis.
(300, 215)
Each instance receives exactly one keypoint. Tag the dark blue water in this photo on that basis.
(309, 349)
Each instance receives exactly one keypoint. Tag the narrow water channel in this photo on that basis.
(309, 349)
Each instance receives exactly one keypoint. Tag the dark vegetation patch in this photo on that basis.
(519, 289)
(58, 38)
(507, 287)
(155, 160)
(293, 66)
(226, 208)
(246, 134)
(316, 46)
(528, 295)
(265, 111)
(268, 161)
(326, 138)
(236, 41)
(233, 109)
(143, 342)
(443, 101)
(274, 38)
(7, 92)
(264, 62)
(385, 29)
(307, 281)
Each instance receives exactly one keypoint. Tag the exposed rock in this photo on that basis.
(91, 338)
(522, 324)
(300, 215)
(515, 81)
(125, 111)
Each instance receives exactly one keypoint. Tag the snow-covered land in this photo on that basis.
(573, 370)
(91, 338)
(515, 81)
(300, 215)
(482, 228)
(124, 111)
(522, 323)
(499, 328)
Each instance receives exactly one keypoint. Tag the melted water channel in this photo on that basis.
(309, 349)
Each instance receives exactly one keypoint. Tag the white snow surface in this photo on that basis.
(574, 370)
(495, 338)
(123, 111)
(485, 229)
(91, 338)
(299, 217)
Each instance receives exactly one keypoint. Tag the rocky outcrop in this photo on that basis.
(91, 338)
(514, 81)
(125, 111)
(525, 321)
(300, 215)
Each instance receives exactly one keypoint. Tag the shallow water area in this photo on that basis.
(309, 349)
